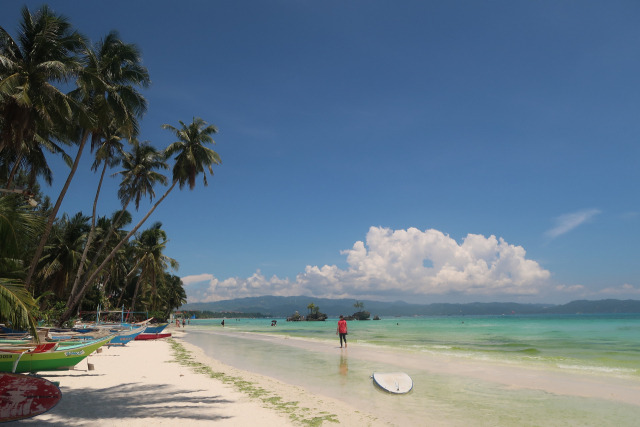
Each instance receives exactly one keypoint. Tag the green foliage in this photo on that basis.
(104, 107)
(16, 305)
(47, 314)
(361, 315)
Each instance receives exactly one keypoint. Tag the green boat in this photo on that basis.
(61, 358)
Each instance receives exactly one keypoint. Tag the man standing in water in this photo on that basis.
(342, 331)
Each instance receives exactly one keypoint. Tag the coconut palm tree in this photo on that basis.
(16, 305)
(108, 99)
(172, 294)
(191, 158)
(31, 158)
(105, 155)
(148, 248)
(139, 175)
(18, 225)
(63, 253)
(43, 54)
(192, 155)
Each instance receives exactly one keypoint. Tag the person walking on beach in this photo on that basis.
(342, 331)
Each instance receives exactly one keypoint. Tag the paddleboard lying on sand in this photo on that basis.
(24, 396)
(393, 382)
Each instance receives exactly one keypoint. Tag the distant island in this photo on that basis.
(275, 306)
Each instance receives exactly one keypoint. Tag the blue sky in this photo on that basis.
(422, 151)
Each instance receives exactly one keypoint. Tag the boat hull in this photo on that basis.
(155, 329)
(146, 336)
(124, 337)
(65, 358)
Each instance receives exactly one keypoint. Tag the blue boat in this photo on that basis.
(155, 329)
(126, 335)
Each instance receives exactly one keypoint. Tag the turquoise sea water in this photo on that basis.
(453, 362)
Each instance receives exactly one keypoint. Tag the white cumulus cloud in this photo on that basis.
(397, 264)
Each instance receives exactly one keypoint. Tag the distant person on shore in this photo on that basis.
(222, 323)
(184, 322)
(342, 331)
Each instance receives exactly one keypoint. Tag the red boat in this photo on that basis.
(151, 336)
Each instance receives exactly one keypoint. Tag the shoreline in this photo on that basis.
(448, 390)
(169, 381)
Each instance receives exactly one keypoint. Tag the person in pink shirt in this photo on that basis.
(342, 331)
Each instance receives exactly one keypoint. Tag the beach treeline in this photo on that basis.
(223, 315)
(63, 95)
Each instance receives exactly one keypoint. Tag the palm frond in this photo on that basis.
(16, 304)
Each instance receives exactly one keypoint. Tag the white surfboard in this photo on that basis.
(393, 382)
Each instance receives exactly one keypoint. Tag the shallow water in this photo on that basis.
(466, 370)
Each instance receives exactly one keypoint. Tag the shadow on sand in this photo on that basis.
(130, 400)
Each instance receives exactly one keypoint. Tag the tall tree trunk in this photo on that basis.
(135, 294)
(14, 170)
(87, 244)
(75, 300)
(106, 239)
(126, 281)
(54, 212)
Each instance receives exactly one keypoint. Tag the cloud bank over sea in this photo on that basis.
(409, 265)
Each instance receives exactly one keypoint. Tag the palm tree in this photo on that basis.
(108, 100)
(151, 261)
(16, 305)
(139, 177)
(139, 173)
(192, 157)
(172, 293)
(44, 53)
(31, 158)
(18, 225)
(63, 253)
(105, 155)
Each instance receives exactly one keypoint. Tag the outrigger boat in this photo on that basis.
(121, 334)
(145, 336)
(16, 360)
(156, 328)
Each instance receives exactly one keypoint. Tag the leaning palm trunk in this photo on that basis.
(135, 293)
(112, 230)
(126, 281)
(74, 300)
(87, 244)
(14, 170)
(54, 212)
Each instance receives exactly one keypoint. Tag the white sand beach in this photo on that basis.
(168, 382)
(141, 384)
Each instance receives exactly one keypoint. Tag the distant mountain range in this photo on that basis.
(272, 306)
